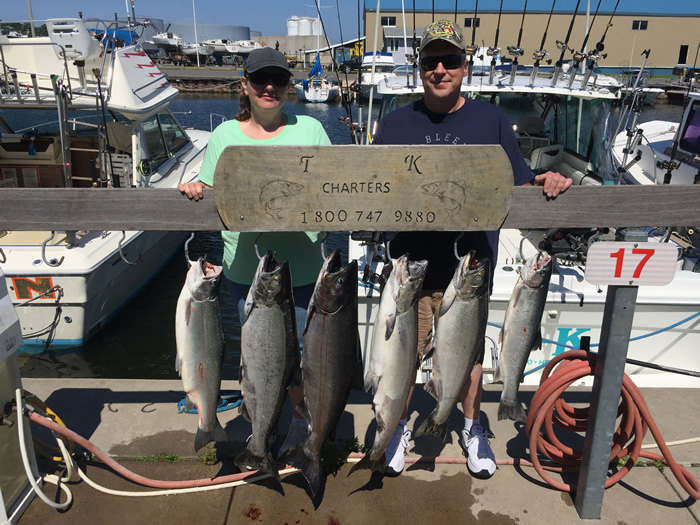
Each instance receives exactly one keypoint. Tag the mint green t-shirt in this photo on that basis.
(301, 249)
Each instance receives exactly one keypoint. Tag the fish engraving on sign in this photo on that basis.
(451, 194)
(273, 196)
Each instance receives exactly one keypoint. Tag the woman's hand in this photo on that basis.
(193, 190)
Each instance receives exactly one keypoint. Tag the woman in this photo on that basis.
(261, 121)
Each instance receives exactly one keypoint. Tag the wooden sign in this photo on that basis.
(387, 188)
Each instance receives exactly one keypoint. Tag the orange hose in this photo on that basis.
(549, 409)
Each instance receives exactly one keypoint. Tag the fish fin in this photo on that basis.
(243, 411)
(376, 465)
(431, 388)
(202, 438)
(513, 411)
(428, 352)
(358, 381)
(380, 423)
(371, 382)
(390, 324)
(188, 310)
(537, 344)
(430, 427)
(301, 408)
(247, 460)
(311, 467)
(498, 373)
(447, 299)
(189, 404)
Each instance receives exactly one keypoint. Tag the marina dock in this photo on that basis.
(137, 421)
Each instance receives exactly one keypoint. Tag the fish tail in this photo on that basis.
(377, 465)
(498, 373)
(248, 460)
(203, 437)
(311, 467)
(511, 410)
(429, 426)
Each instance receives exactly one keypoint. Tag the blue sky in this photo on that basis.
(270, 17)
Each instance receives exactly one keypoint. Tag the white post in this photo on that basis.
(196, 41)
(31, 18)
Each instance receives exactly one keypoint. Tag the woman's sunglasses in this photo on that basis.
(262, 78)
(448, 62)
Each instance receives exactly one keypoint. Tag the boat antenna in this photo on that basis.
(581, 55)
(494, 51)
(516, 51)
(357, 138)
(473, 49)
(594, 55)
(564, 46)
(456, 10)
(541, 53)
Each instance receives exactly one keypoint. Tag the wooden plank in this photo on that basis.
(328, 188)
(167, 209)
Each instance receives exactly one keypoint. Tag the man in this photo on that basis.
(443, 116)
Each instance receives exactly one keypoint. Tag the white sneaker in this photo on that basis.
(481, 462)
(298, 432)
(396, 450)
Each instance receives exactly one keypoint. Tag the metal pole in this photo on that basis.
(31, 18)
(607, 385)
(196, 42)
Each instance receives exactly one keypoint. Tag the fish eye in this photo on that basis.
(339, 280)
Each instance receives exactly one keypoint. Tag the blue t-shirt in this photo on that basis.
(474, 123)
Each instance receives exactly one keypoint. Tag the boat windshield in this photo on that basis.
(690, 138)
(164, 138)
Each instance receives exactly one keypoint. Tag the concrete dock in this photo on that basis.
(133, 420)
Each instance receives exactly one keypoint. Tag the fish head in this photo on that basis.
(272, 280)
(407, 281)
(472, 276)
(203, 279)
(336, 285)
(537, 270)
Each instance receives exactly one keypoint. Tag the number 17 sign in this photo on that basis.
(631, 263)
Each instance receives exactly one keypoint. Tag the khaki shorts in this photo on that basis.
(428, 308)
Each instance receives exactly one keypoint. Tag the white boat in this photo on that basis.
(201, 49)
(220, 46)
(116, 133)
(375, 65)
(556, 127)
(167, 41)
(650, 147)
(647, 94)
(243, 47)
(316, 88)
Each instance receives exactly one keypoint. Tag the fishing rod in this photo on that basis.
(494, 51)
(596, 54)
(472, 49)
(563, 46)
(413, 59)
(541, 53)
(581, 55)
(516, 51)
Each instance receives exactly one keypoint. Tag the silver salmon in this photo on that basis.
(394, 353)
(459, 338)
(269, 358)
(200, 345)
(331, 363)
(522, 331)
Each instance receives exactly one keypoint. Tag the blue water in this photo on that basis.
(139, 343)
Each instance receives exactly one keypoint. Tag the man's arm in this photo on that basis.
(552, 183)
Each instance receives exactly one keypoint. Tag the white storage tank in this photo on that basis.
(317, 28)
(305, 26)
(293, 26)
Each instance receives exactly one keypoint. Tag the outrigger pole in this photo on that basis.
(581, 55)
(494, 51)
(563, 46)
(517, 51)
(595, 54)
(473, 49)
(541, 53)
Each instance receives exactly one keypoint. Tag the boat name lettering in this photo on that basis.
(26, 286)
(413, 163)
(305, 161)
(364, 216)
(356, 187)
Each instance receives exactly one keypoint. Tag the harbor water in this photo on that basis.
(139, 342)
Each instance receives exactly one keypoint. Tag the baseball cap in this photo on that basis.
(266, 57)
(443, 30)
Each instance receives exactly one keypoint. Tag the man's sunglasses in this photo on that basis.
(448, 62)
(262, 78)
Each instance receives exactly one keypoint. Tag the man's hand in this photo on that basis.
(553, 183)
(193, 190)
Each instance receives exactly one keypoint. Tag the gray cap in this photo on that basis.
(265, 57)
(443, 30)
